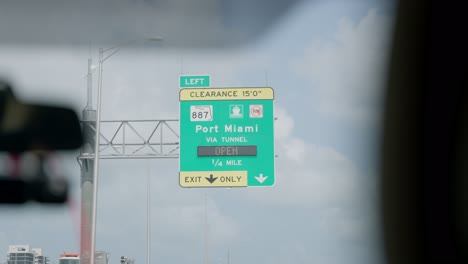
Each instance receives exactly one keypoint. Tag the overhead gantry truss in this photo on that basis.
(135, 139)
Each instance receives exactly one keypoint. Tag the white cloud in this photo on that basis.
(339, 197)
(187, 221)
(284, 125)
(177, 214)
(348, 70)
(309, 174)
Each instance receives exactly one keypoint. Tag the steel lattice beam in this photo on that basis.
(136, 139)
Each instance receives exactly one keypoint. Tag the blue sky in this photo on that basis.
(325, 62)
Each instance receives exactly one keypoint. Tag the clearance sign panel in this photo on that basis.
(226, 137)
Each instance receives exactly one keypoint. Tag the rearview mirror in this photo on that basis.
(26, 127)
(37, 129)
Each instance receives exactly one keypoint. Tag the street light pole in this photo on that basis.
(102, 59)
(206, 233)
(148, 213)
(96, 158)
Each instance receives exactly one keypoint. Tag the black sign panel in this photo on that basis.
(216, 151)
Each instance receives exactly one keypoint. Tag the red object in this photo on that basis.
(68, 254)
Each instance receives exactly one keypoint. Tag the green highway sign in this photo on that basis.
(226, 137)
(194, 81)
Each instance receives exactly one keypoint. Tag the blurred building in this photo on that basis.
(102, 257)
(69, 258)
(24, 254)
(125, 260)
(39, 258)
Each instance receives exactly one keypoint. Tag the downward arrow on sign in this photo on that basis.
(211, 179)
(260, 178)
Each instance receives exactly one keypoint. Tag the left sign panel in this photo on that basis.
(194, 81)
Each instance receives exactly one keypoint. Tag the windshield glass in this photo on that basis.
(324, 60)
